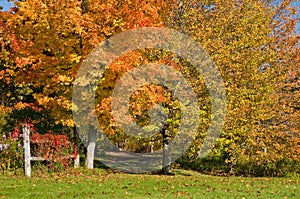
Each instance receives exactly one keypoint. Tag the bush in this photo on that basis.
(57, 151)
(216, 165)
(209, 165)
(11, 151)
(279, 168)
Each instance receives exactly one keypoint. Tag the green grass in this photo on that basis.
(99, 183)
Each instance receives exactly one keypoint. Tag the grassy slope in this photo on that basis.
(99, 183)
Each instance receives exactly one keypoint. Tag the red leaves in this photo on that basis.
(15, 134)
(53, 148)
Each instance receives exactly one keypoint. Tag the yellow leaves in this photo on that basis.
(63, 79)
(53, 103)
(67, 104)
(68, 122)
(42, 100)
(20, 106)
(120, 23)
(75, 58)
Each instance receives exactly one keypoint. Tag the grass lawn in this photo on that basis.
(99, 183)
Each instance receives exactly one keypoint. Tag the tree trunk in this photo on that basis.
(91, 148)
(76, 144)
(166, 166)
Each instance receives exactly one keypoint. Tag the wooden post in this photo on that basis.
(76, 144)
(91, 148)
(26, 140)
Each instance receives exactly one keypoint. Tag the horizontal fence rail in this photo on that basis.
(28, 158)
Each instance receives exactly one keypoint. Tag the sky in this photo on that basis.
(6, 5)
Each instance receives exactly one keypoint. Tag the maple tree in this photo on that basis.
(55, 37)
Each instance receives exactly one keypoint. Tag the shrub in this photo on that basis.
(57, 151)
(279, 168)
(11, 151)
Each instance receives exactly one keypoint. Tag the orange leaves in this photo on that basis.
(143, 13)
(147, 96)
(51, 38)
(1, 74)
(23, 61)
(13, 43)
(126, 62)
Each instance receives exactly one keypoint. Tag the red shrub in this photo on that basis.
(53, 148)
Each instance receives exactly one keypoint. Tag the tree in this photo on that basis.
(251, 42)
(55, 37)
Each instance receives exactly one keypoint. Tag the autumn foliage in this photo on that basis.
(54, 149)
(253, 43)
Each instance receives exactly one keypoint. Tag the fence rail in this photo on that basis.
(28, 158)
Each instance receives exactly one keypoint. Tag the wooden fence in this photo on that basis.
(27, 156)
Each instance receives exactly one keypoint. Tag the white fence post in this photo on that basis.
(26, 140)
